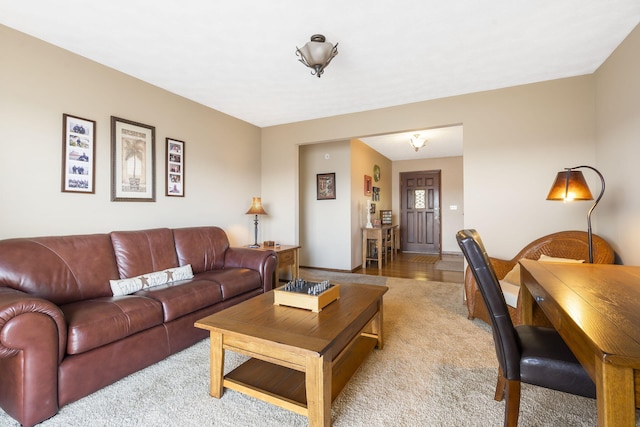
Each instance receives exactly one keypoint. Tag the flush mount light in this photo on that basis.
(317, 54)
(417, 142)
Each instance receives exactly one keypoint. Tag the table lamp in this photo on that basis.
(570, 185)
(256, 209)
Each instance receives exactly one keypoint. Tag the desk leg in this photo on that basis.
(526, 306)
(318, 387)
(216, 363)
(615, 395)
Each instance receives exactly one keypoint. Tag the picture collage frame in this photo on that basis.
(78, 154)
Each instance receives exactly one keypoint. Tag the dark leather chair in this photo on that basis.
(530, 354)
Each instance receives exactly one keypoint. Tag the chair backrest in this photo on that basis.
(504, 334)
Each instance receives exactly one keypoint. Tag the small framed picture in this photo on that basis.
(367, 185)
(174, 168)
(132, 161)
(78, 154)
(326, 186)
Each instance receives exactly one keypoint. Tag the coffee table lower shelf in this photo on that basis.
(285, 387)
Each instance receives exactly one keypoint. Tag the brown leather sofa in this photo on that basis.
(64, 335)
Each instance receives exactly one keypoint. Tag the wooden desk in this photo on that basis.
(596, 309)
(383, 235)
(288, 258)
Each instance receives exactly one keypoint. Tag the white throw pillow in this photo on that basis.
(545, 258)
(514, 275)
(134, 284)
(510, 292)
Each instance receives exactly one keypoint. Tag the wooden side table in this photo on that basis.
(379, 235)
(287, 258)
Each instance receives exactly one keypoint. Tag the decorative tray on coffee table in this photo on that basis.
(312, 296)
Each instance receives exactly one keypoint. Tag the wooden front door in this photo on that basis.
(420, 211)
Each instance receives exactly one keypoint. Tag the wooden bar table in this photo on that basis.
(379, 234)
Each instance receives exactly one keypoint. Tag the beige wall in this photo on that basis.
(330, 229)
(618, 148)
(325, 225)
(40, 82)
(515, 140)
(451, 194)
(363, 158)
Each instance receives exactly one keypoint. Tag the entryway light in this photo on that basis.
(317, 54)
(417, 142)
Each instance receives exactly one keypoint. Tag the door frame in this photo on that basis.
(438, 209)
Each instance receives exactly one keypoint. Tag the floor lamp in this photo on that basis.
(256, 209)
(570, 185)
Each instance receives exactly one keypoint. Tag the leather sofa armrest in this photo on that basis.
(33, 335)
(16, 326)
(264, 262)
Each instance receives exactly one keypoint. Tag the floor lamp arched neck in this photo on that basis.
(256, 209)
(570, 185)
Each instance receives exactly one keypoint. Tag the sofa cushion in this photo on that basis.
(511, 292)
(96, 322)
(202, 247)
(134, 284)
(184, 297)
(513, 276)
(545, 258)
(61, 269)
(144, 251)
(234, 281)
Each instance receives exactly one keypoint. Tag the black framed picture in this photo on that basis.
(78, 154)
(326, 186)
(132, 161)
(174, 168)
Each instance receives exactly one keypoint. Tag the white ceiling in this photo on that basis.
(441, 142)
(238, 57)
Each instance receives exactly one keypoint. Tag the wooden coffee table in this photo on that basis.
(300, 360)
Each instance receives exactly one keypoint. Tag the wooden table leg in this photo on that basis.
(216, 363)
(527, 302)
(378, 321)
(318, 387)
(615, 395)
(380, 249)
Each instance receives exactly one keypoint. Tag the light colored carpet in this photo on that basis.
(450, 265)
(437, 369)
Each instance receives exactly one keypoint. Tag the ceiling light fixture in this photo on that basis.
(317, 54)
(417, 142)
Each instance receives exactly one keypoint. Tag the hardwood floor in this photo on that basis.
(409, 266)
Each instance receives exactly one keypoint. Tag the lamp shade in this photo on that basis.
(570, 185)
(317, 54)
(256, 207)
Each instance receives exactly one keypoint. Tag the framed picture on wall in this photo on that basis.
(326, 186)
(174, 168)
(367, 185)
(376, 194)
(78, 154)
(132, 161)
